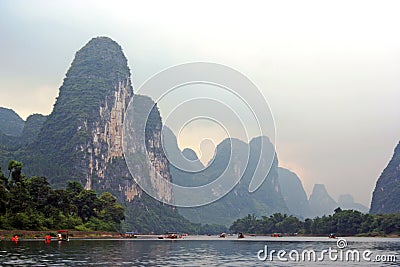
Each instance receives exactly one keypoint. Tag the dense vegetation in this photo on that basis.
(342, 222)
(31, 204)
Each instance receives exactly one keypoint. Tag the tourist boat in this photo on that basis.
(47, 239)
(130, 235)
(332, 235)
(240, 235)
(63, 235)
(223, 235)
(15, 238)
(172, 235)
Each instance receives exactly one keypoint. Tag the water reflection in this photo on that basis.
(194, 251)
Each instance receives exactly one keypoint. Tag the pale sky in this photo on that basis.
(329, 69)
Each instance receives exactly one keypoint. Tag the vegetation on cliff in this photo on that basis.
(31, 204)
(342, 222)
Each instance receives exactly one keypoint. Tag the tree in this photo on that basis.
(4, 195)
(39, 190)
(110, 210)
(87, 203)
(19, 198)
(289, 224)
(74, 188)
(15, 170)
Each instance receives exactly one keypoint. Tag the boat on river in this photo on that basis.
(170, 235)
(130, 235)
(63, 235)
(332, 235)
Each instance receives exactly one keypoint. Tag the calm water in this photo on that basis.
(191, 251)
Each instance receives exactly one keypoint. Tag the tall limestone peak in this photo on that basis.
(321, 203)
(101, 58)
(81, 139)
(84, 131)
(386, 196)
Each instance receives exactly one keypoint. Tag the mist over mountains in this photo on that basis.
(282, 190)
(81, 140)
(267, 199)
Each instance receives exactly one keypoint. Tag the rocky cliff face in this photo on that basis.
(386, 196)
(105, 134)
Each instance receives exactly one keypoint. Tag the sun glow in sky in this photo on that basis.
(329, 69)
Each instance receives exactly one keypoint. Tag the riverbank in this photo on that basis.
(27, 234)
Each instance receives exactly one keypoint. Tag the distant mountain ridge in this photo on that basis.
(239, 202)
(346, 202)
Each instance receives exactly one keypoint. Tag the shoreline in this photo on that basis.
(30, 234)
(75, 234)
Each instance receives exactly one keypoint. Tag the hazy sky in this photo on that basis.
(329, 69)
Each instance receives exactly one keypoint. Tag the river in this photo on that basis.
(203, 251)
